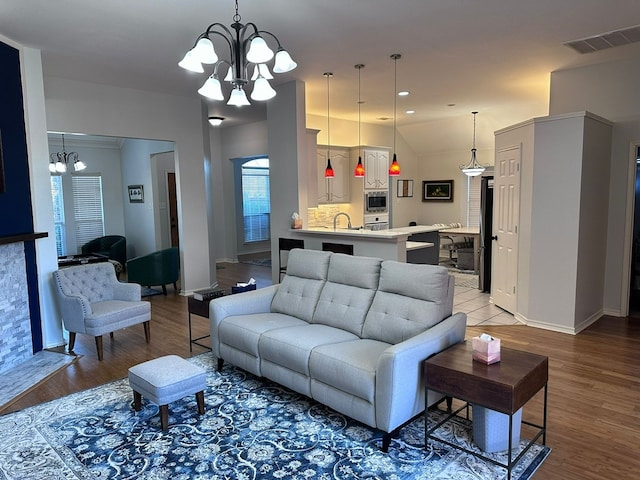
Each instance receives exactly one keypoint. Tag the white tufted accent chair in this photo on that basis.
(92, 301)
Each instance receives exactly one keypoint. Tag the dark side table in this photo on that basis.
(505, 387)
(200, 308)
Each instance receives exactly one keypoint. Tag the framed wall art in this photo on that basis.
(136, 194)
(405, 188)
(437, 190)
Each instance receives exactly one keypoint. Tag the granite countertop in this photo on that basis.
(391, 233)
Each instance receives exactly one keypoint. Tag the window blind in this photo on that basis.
(473, 201)
(87, 207)
(58, 213)
(256, 204)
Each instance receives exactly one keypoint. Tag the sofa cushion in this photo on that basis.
(292, 346)
(300, 289)
(410, 299)
(349, 367)
(243, 332)
(346, 297)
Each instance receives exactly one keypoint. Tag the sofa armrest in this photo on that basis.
(400, 371)
(247, 303)
(130, 292)
(74, 309)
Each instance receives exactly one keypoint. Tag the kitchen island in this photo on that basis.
(418, 244)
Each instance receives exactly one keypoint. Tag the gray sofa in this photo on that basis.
(350, 332)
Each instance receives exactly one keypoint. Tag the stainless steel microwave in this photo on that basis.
(376, 202)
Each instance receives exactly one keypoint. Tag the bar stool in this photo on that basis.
(337, 248)
(284, 245)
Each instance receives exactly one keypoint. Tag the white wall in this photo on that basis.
(610, 90)
(140, 218)
(106, 110)
(233, 142)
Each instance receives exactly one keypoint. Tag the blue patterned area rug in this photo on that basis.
(252, 429)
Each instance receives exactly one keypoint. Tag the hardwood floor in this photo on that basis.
(594, 379)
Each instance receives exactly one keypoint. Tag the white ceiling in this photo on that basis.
(493, 56)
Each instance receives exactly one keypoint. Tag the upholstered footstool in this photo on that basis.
(165, 380)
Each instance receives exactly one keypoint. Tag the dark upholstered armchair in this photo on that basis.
(112, 246)
(157, 268)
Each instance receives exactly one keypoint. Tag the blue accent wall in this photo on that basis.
(16, 214)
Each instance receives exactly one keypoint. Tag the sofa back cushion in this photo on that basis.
(348, 293)
(410, 299)
(300, 289)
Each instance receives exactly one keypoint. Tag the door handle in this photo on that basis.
(494, 237)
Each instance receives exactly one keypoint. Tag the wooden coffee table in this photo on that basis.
(505, 387)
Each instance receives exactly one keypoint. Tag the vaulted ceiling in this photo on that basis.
(493, 56)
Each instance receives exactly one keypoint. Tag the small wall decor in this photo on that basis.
(437, 190)
(405, 188)
(2, 185)
(136, 194)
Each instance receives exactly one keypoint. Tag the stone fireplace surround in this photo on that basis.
(15, 319)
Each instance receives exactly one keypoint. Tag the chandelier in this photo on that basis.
(58, 161)
(473, 168)
(246, 47)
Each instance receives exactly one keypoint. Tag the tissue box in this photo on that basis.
(245, 288)
(486, 351)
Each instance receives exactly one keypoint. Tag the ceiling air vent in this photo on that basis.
(606, 40)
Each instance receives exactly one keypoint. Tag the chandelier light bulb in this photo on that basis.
(284, 62)
(204, 52)
(79, 165)
(259, 51)
(52, 167)
(212, 89)
(60, 167)
(189, 62)
(238, 97)
(261, 69)
(262, 90)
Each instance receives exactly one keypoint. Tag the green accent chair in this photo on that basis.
(114, 247)
(157, 268)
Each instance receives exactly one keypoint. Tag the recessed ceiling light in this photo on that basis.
(383, 118)
(410, 112)
(451, 104)
(403, 93)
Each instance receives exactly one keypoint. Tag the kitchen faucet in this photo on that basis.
(335, 219)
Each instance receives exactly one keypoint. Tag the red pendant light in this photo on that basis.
(359, 171)
(394, 169)
(328, 172)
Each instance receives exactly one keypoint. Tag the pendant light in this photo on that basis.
(473, 168)
(359, 171)
(328, 172)
(394, 169)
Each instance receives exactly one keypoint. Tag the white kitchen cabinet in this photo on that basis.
(336, 189)
(376, 168)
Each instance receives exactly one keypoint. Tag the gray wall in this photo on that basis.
(609, 90)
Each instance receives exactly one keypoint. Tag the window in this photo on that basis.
(87, 207)
(256, 205)
(58, 213)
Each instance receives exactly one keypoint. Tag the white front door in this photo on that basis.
(506, 210)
